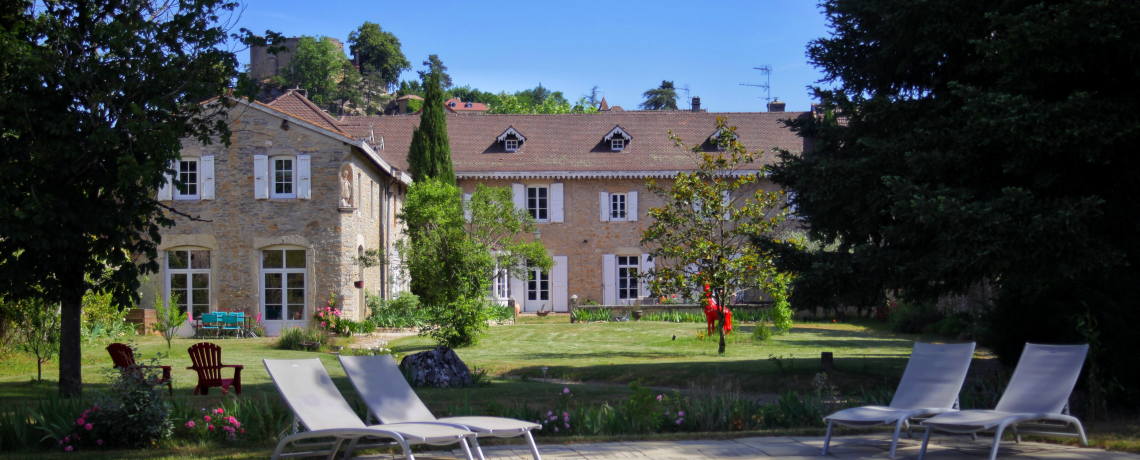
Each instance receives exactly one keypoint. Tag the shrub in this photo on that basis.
(402, 312)
(132, 415)
(913, 318)
(291, 339)
(586, 315)
(329, 318)
(761, 332)
(673, 317)
(500, 313)
(216, 425)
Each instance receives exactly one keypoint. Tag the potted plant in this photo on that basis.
(370, 258)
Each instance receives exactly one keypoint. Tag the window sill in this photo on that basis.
(348, 209)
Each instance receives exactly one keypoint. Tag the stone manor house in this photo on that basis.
(299, 194)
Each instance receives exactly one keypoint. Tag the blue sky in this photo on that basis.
(624, 47)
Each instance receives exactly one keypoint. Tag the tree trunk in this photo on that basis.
(70, 353)
(720, 327)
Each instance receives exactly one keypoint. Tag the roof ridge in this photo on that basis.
(334, 128)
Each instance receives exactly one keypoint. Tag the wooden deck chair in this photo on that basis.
(930, 384)
(1038, 392)
(124, 358)
(318, 405)
(390, 399)
(207, 360)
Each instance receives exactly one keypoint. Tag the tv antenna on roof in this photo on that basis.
(687, 98)
(767, 87)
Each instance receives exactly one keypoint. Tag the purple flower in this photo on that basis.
(681, 413)
(68, 449)
(555, 430)
(549, 413)
(678, 421)
(659, 397)
(567, 426)
(99, 442)
(565, 391)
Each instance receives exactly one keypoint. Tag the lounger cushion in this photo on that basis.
(969, 420)
(867, 415)
(426, 433)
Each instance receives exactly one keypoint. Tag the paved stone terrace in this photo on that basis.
(842, 447)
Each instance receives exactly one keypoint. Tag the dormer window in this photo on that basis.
(618, 139)
(511, 139)
(714, 139)
(451, 104)
(469, 105)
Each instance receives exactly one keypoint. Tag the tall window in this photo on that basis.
(189, 278)
(188, 177)
(284, 284)
(499, 285)
(537, 285)
(627, 285)
(283, 178)
(617, 206)
(537, 203)
(617, 144)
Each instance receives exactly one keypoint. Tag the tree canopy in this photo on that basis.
(661, 98)
(95, 100)
(979, 142)
(429, 155)
(379, 52)
(320, 67)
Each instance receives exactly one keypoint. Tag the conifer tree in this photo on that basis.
(429, 156)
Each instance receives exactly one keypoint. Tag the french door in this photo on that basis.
(284, 295)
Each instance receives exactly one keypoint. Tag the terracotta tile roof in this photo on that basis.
(573, 142)
(299, 106)
(461, 107)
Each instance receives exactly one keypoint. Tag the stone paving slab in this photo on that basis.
(875, 446)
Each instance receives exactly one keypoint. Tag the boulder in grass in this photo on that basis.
(439, 368)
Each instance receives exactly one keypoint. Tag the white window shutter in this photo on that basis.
(556, 202)
(604, 200)
(518, 291)
(166, 191)
(467, 207)
(560, 274)
(727, 199)
(208, 177)
(261, 177)
(305, 177)
(519, 196)
(631, 206)
(609, 279)
(646, 266)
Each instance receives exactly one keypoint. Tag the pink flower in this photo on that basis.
(79, 422)
(320, 314)
(221, 411)
(207, 418)
(88, 426)
(237, 424)
(243, 431)
(68, 449)
(99, 442)
(567, 426)
(555, 430)
(322, 324)
(61, 443)
(210, 427)
(190, 424)
(678, 421)
(336, 312)
(659, 397)
(67, 439)
(565, 391)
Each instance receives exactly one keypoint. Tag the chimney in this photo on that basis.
(697, 104)
(776, 106)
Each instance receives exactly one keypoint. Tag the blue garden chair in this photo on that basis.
(210, 323)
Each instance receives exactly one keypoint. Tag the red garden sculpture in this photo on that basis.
(710, 313)
(124, 358)
(207, 359)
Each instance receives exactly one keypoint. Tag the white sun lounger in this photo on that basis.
(1038, 392)
(319, 406)
(390, 399)
(930, 385)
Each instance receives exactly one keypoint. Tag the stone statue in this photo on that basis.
(346, 188)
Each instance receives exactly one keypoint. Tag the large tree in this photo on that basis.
(661, 98)
(378, 51)
(981, 141)
(429, 155)
(95, 100)
(320, 67)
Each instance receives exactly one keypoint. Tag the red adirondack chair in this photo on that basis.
(207, 359)
(124, 358)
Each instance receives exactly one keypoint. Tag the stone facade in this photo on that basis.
(236, 227)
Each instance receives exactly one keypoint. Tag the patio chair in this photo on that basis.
(930, 384)
(390, 399)
(210, 323)
(1038, 392)
(124, 358)
(318, 405)
(231, 323)
(207, 360)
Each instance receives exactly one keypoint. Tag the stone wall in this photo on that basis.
(263, 65)
(236, 226)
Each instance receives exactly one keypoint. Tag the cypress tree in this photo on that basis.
(429, 156)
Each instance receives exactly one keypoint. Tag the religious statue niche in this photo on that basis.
(346, 199)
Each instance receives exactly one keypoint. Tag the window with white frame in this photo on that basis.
(188, 174)
(537, 285)
(188, 276)
(627, 284)
(511, 144)
(284, 177)
(618, 206)
(283, 274)
(499, 285)
(617, 144)
(538, 202)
